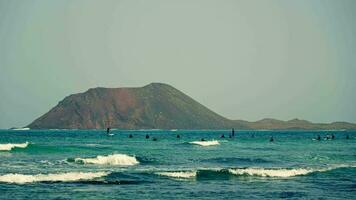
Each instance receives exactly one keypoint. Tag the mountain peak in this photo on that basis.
(156, 105)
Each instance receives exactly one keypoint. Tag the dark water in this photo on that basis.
(56, 164)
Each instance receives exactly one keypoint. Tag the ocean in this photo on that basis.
(88, 164)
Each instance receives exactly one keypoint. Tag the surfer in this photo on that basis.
(108, 133)
(233, 132)
(130, 136)
(332, 136)
(318, 138)
(147, 136)
(347, 137)
(108, 127)
(203, 140)
(222, 136)
(178, 136)
(154, 139)
(271, 139)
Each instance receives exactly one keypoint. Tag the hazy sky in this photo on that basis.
(243, 59)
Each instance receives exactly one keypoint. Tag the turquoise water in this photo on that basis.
(56, 164)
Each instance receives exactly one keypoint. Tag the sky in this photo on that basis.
(244, 59)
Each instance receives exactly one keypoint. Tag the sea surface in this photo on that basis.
(89, 164)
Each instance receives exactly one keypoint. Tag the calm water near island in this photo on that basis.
(88, 164)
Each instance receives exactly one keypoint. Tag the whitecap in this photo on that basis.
(93, 145)
(181, 174)
(205, 143)
(9, 146)
(62, 177)
(114, 159)
(21, 129)
(281, 173)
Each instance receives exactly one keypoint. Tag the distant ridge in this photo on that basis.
(154, 106)
(296, 124)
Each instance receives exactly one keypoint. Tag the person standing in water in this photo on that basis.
(108, 125)
(147, 136)
(233, 132)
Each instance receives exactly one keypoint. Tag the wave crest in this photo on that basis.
(281, 173)
(62, 177)
(205, 143)
(21, 129)
(181, 174)
(202, 174)
(9, 146)
(284, 172)
(114, 159)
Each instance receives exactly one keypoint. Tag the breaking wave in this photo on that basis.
(61, 177)
(21, 129)
(205, 143)
(182, 174)
(281, 173)
(257, 172)
(9, 146)
(114, 159)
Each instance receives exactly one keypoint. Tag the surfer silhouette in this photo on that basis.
(271, 139)
(147, 136)
(347, 137)
(202, 139)
(332, 136)
(130, 136)
(154, 139)
(178, 136)
(233, 132)
(318, 138)
(108, 125)
(222, 136)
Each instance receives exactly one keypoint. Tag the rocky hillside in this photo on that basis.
(154, 106)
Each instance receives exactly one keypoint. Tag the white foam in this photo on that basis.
(21, 129)
(92, 145)
(284, 173)
(63, 177)
(187, 174)
(270, 172)
(205, 143)
(9, 146)
(114, 159)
